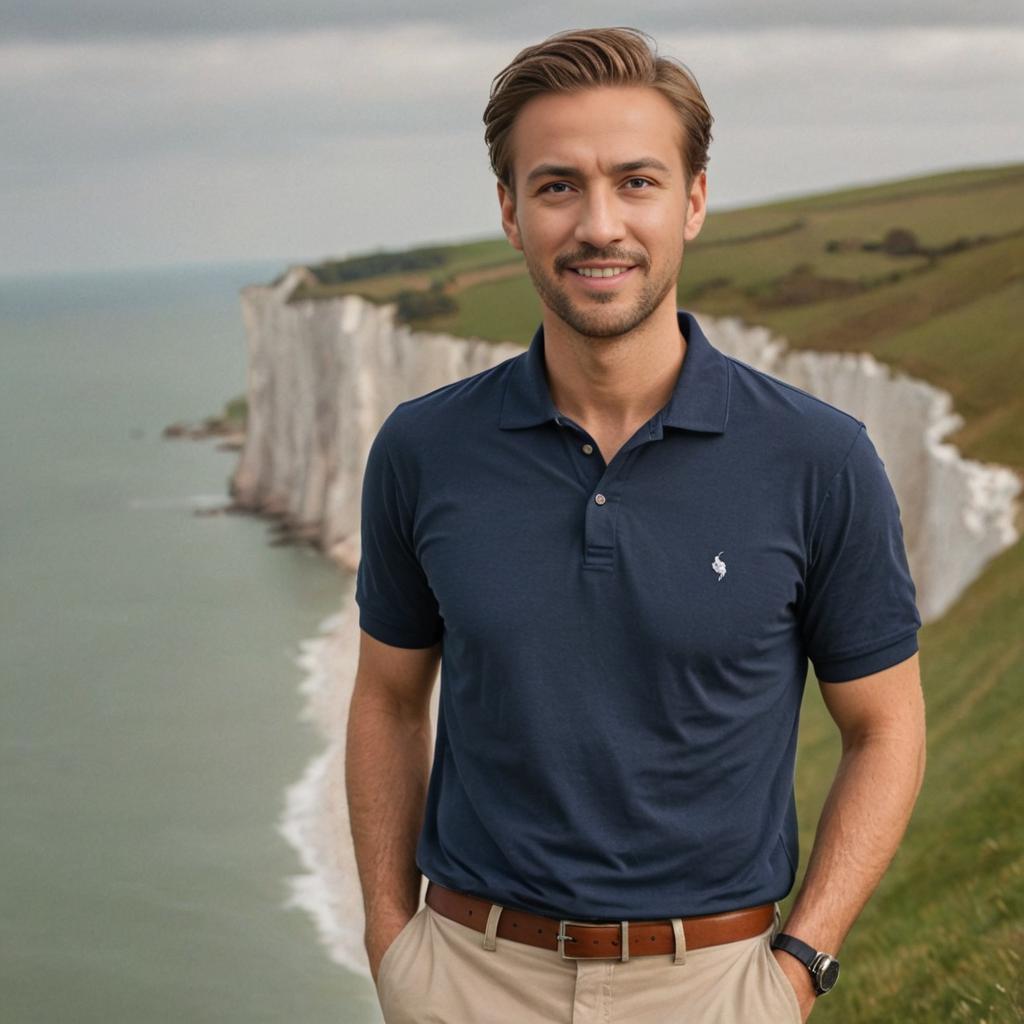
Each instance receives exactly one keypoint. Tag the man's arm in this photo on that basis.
(387, 768)
(881, 720)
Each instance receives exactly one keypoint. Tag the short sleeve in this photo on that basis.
(859, 612)
(396, 604)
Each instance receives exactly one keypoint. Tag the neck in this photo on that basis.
(618, 382)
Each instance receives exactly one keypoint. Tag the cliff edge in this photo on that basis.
(323, 375)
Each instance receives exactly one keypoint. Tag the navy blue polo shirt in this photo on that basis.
(625, 645)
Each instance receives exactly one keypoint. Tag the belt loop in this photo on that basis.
(776, 921)
(677, 927)
(625, 941)
(491, 933)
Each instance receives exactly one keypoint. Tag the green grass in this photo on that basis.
(507, 310)
(899, 190)
(942, 940)
(943, 936)
(468, 256)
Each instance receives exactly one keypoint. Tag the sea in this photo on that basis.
(153, 655)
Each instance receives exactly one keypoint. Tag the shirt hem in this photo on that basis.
(382, 630)
(842, 670)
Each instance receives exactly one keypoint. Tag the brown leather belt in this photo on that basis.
(600, 941)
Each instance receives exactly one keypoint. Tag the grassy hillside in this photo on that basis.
(928, 275)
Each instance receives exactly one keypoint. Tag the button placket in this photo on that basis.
(587, 470)
(602, 503)
(602, 507)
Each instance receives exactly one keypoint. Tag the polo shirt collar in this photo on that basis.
(699, 401)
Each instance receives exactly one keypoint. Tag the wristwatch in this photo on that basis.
(824, 967)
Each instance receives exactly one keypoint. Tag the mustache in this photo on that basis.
(601, 257)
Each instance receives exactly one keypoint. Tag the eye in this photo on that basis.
(566, 185)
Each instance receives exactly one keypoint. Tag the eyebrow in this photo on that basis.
(559, 171)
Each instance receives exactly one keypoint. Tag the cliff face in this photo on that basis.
(324, 374)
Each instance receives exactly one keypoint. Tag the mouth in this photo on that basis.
(602, 278)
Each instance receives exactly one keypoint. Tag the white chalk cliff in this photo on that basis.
(323, 375)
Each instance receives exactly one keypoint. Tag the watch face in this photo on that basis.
(827, 973)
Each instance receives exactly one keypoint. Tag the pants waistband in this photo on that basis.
(584, 940)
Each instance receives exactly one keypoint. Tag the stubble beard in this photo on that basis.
(592, 320)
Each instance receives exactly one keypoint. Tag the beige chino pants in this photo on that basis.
(438, 971)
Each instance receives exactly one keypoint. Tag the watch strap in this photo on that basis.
(795, 947)
(823, 967)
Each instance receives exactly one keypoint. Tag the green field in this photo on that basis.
(943, 937)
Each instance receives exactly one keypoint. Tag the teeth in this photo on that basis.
(601, 271)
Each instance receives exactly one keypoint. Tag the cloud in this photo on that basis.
(235, 94)
(261, 94)
(225, 142)
(484, 19)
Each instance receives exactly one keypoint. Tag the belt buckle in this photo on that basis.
(623, 927)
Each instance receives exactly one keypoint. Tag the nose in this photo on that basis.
(600, 222)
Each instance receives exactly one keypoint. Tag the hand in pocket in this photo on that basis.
(379, 943)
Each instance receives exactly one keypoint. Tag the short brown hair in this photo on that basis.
(583, 59)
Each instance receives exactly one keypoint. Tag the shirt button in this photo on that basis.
(588, 449)
(600, 499)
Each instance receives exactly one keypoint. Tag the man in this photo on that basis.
(622, 547)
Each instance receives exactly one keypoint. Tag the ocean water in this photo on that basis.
(151, 663)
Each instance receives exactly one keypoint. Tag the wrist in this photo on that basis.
(821, 968)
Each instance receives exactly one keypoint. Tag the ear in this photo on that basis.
(508, 217)
(696, 207)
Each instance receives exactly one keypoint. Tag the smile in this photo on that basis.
(602, 271)
(602, 279)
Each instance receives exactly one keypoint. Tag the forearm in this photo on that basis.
(862, 822)
(387, 767)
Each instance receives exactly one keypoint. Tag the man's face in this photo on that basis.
(601, 212)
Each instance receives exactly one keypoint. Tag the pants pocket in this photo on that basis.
(788, 993)
(394, 945)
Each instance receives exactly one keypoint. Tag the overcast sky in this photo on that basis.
(137, 134)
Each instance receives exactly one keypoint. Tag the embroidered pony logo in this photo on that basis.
(719, 566)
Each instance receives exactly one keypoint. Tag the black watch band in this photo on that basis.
(823, 967)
